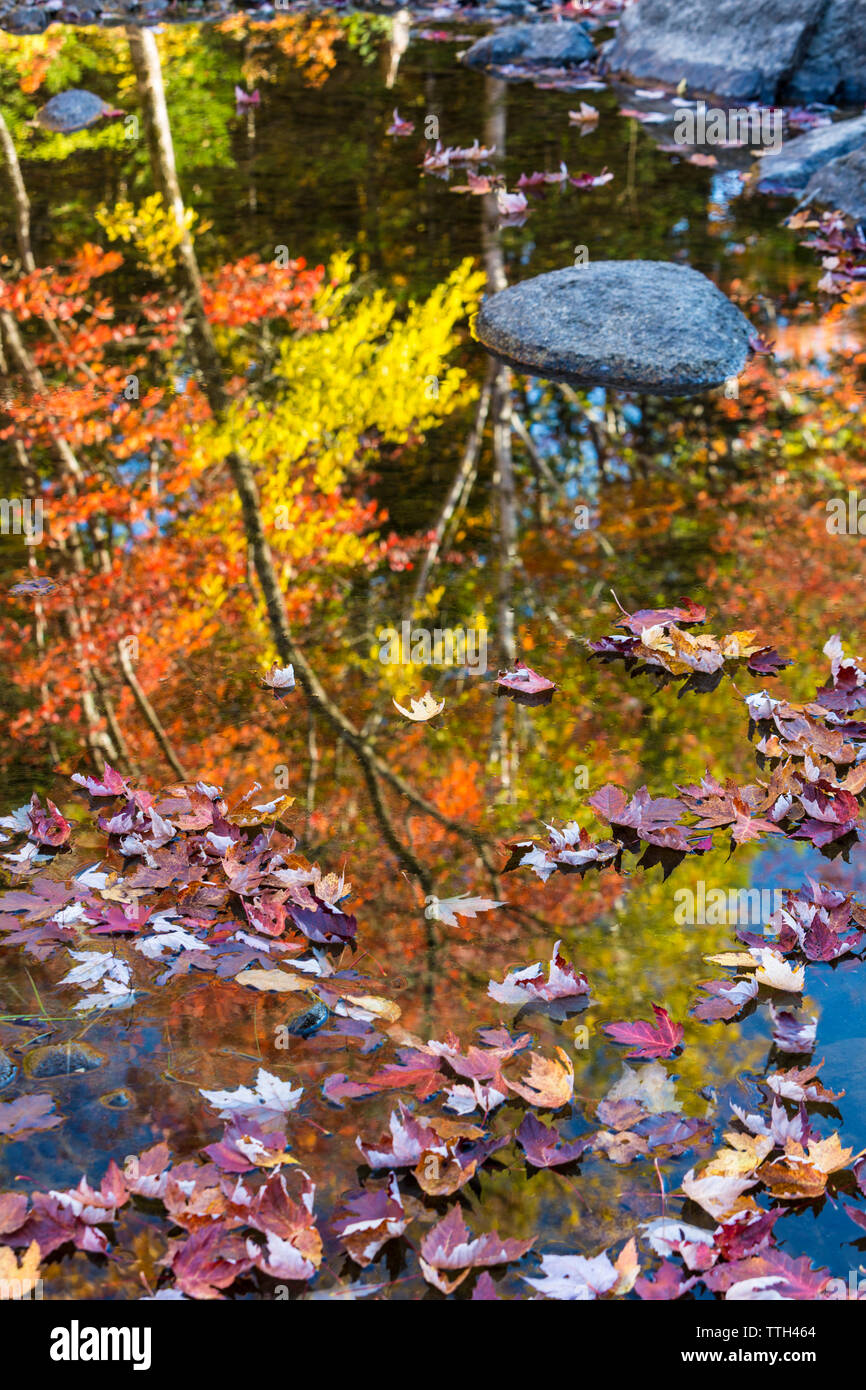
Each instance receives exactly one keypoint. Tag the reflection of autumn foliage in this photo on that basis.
(309, 40)
(107, 413)
(129, 466)
(248, 291)
(41, 50)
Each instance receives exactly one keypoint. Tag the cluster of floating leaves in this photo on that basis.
(190, 884)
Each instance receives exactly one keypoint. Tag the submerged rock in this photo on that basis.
(116, 1100)
(305, 1024)
(533, 45)
(842, 184)
(61, 1059)
(639, 325)
(780, 50)
(799, 159)
(7, 1068)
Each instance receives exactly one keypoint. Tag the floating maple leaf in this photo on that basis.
(511, 205)
(475, 1096)
(47, 827)
(548, 1083)
(584, 115)
(728, 998)
(101, 967)
(449, 1246)
(649, 1087)
(687, 612)
(653, 820)
(477, 184)
(208, 1260)
(801, 1084)
(323, 924)
(245, 1145)
(403, 1146)
(573, 1277)
(279, 679)
(26, 1114)
(110, 784)
(423, 709)
(244, 99)
(760, 346)
(270, 1098)
(645, 117)
(775, 972)
(792, 1032)
(480, 1063)
(718, 1195)
(447, 910)
(400, 127)
(249, 811)
(544, 1147)
(24, 1274)
(592, 180)
(667, 1283)
(533, 180)
(370, 1218)
(525, 685)
(521, 986)
(571, 849)
(648, 1041)
(437, 159)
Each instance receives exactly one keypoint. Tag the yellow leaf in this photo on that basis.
(375, 1004)
(827, 1155)
(627, 1266)
(278, 980)
(745, 1154)
(735, 958)
(22, 1275)
(547, 1084)
(423, 709)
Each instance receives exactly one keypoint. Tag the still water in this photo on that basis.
(719, 499)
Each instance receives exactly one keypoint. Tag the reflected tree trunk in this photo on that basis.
(400, 30)
(460, 489)
(146, 64)
(495, 131)
(20, 201)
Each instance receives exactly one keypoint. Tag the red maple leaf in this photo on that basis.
(649, 1041)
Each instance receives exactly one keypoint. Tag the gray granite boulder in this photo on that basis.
(649, 326)
(25, 20)
(842, 184)
(775, 51)
(833, 67)
(799, 159)
(545, 43)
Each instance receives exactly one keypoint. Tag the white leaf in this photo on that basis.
(271, 1097)
(775, 972)
(572, 1277)
(444, 909)
(423, 709)
(717, 1195)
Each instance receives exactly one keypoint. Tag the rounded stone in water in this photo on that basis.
(71, 111)
(62, 1059)
(649, 326)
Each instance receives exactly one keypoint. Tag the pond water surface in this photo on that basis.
(721, 499)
